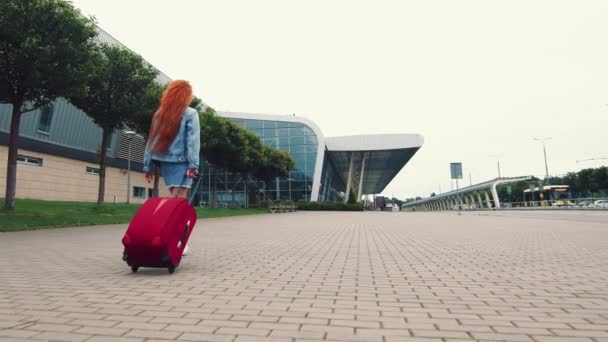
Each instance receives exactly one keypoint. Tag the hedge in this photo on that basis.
(329, 206)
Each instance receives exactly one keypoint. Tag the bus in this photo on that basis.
(552, 195)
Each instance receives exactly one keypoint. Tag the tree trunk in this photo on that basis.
(13, 151)
(214, 194)
(268, 192)
(245, 179)
(234, 175)
(155, 191)
(102, 166)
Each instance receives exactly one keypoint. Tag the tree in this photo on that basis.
(112, 93)
(273, 163)
(236, 157)
(584, 181)
(600, 179)
(141, 121)
(45, 49)
(197, 104)
(352, 199)
(254, 155)
(213, 144)
(230, 147)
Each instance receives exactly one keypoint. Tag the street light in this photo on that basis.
(590, 159)
(545, 153)
(130, 135)
(497, 156)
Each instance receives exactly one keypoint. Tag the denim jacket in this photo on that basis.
(184, 148)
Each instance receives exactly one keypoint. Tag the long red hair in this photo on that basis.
(165, 122)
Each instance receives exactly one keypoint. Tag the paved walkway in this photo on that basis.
(382, 277)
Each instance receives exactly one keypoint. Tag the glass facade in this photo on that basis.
(332, 187)
(296, 138)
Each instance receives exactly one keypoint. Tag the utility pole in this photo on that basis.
(545, 154)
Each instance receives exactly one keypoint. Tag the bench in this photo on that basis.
(282, 208)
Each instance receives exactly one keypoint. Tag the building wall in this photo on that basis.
(66, 179)
(302, 139)
(68, 126)
(332, 187)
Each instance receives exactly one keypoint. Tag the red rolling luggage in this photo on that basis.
(158, 233)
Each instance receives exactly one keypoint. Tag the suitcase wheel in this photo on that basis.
(171, 269)
(134, 268)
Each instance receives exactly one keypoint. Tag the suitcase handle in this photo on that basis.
(185, 233)
(193, 192)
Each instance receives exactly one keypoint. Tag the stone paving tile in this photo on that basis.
(488, 276)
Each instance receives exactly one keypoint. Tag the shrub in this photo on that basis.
(329, 206)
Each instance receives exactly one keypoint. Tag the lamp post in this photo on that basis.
(590, 159)
(545, 153)
(497, 156)
(130, 135)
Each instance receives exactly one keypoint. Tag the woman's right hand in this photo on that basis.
(192, 173)
(149, 177)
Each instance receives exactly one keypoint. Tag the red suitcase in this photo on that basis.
(158, 233)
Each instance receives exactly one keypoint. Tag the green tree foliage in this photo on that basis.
(45, 50)
(587, 182)
(231, 147)
(352, 199)
(114, 91)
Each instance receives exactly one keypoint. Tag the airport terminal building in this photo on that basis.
(59, 153)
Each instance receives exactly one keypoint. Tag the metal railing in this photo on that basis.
(578, 203)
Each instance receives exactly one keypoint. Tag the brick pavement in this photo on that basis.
(531, 277)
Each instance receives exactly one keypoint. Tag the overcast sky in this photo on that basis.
(478, 79)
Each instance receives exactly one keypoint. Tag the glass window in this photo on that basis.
(29, 160)
(254, 124)
(299, 158)
(270, 142)
(92, 170)
(139, 192)
(270, 133)
(298, 149)
(297, 185)
(310, 172)
(309, 131)
(296, 140)
(282, 124)
(297, 131)
(284, 142)
(296, 175)
(311, 139)
(311, 149)
(283, 132)
(46, 116)
(270, 124)
(310, 161)
(297, 195)
(240, 186)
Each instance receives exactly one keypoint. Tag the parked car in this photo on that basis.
(601, 204)
(583, 204)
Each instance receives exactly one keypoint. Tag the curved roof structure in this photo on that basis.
(365, 164)
(376, 158)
